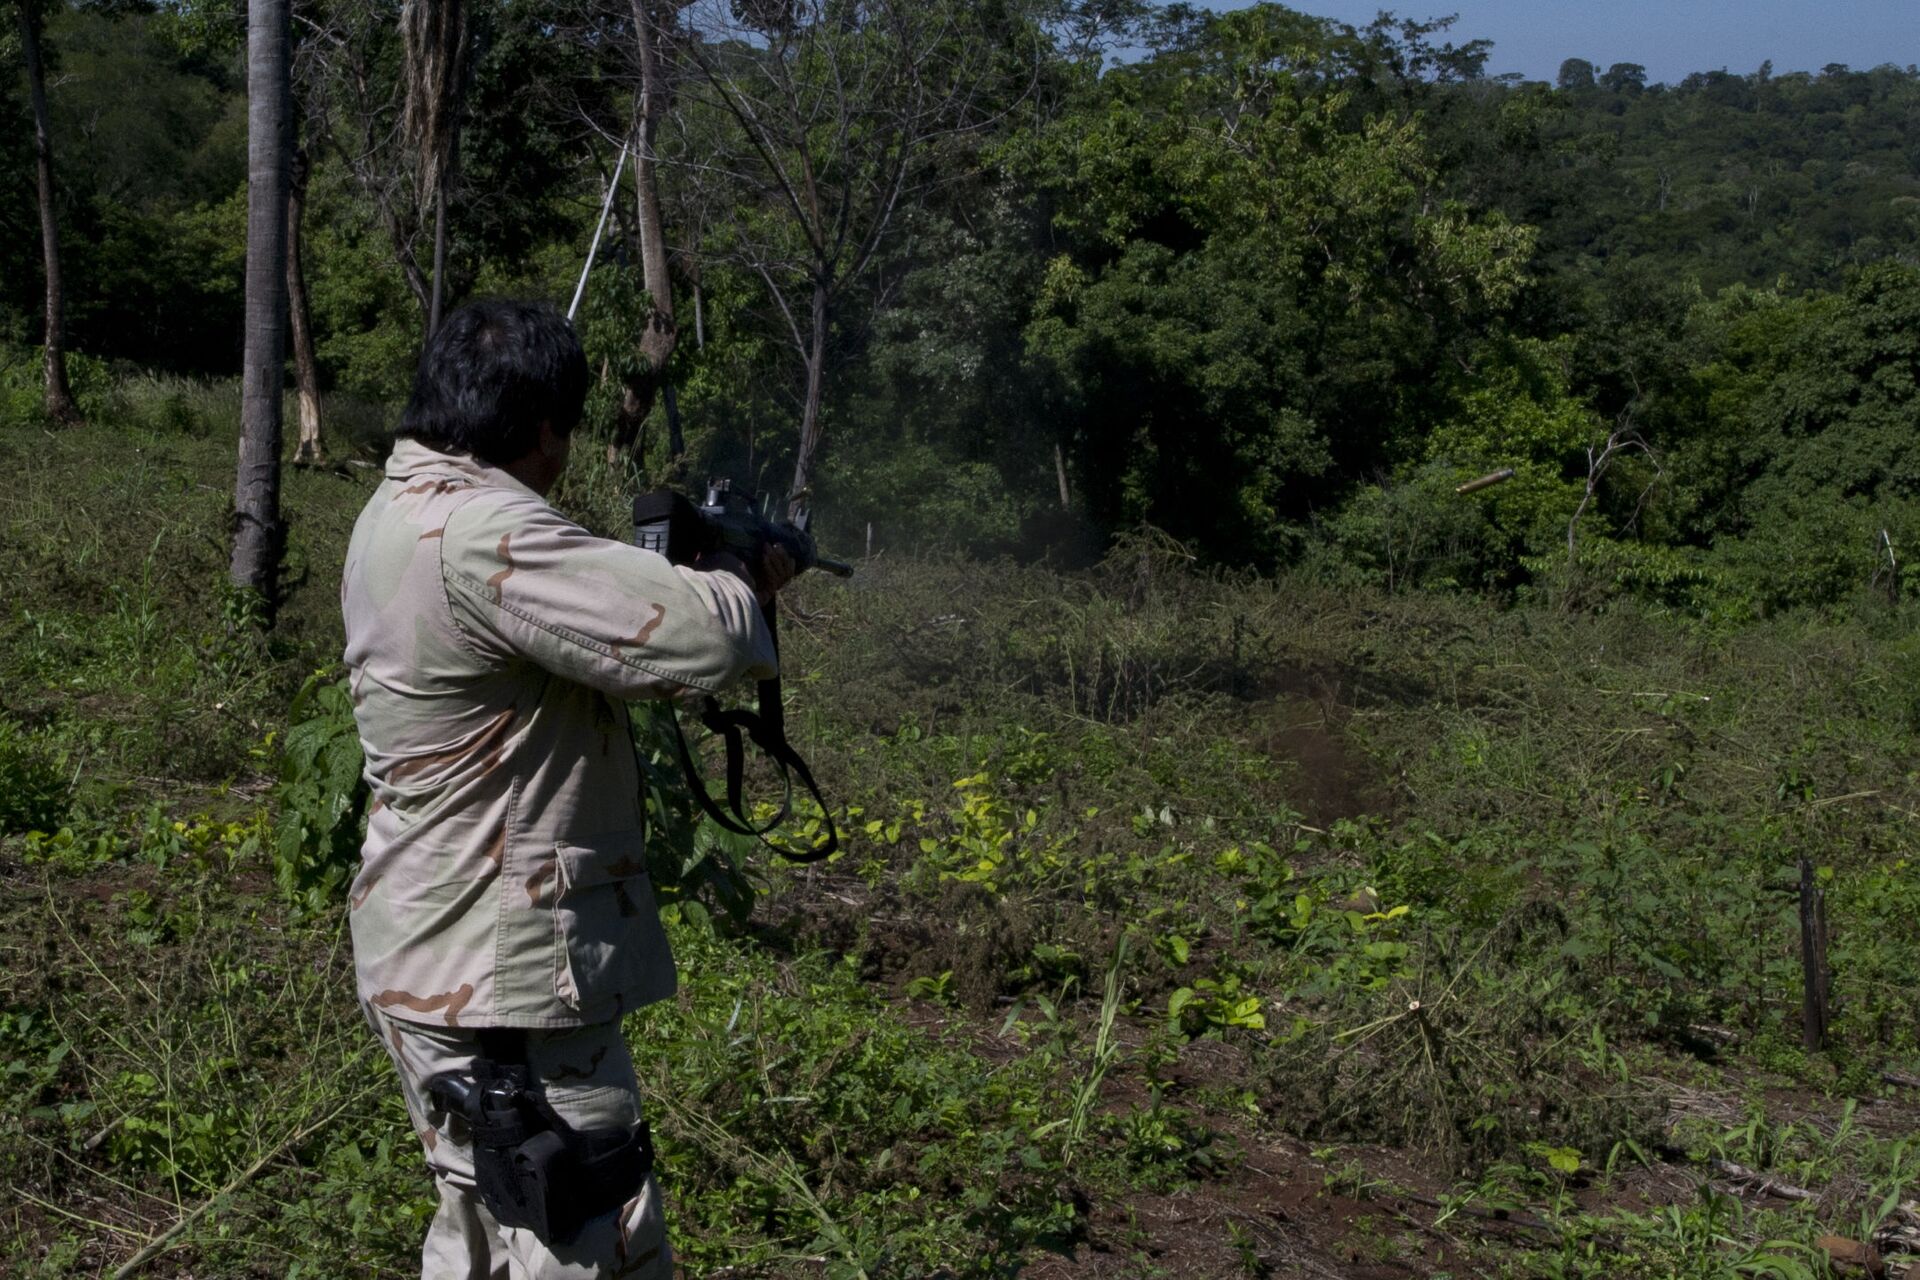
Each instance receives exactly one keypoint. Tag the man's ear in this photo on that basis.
(552, 444)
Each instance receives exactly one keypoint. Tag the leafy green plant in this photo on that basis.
(1165, 1143)
(937, 988)
(1215, 1005)
(321, 797)
(70, 851)
(32, 1054)
(987, 842)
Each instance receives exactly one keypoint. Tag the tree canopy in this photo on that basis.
(1023, 275)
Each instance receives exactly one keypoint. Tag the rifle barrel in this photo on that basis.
(838, 568)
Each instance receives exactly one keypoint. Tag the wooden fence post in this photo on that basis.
(1817, 978)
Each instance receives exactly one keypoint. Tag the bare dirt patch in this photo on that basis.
(1329, 777)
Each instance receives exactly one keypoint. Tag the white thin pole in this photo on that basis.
(606, 207)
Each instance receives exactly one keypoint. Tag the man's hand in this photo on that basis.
(776, 570)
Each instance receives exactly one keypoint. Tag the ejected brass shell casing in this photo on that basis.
(1487, 481)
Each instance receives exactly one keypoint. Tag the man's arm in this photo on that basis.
(524, 582)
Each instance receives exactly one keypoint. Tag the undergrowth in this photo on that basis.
(1154, 883)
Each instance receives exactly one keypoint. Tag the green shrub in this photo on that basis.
(34, 793)
(20, 396)
(1415, 532)
(697, 866)
(1681, 578)
(22, 391)
(92, 381)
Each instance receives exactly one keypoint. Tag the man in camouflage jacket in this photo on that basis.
(491, 645)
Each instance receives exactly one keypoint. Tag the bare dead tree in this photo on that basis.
(840, 112)
(434, 40)
(1623, 439)
(698, 199)
(259, 534)
(353, 83)
(59, 401)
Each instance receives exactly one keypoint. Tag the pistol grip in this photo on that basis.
(453, 1093)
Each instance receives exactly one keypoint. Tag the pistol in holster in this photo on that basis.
(535, 1170)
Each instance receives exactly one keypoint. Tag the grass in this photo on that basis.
(1462, 932)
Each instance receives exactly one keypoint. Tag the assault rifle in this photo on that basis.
(683, 531)
(673, 525)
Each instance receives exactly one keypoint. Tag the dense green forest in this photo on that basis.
(1261, 857)
(1269, 283)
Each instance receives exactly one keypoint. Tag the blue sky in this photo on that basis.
(1668, 37)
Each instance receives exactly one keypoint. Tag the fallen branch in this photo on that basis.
(80, 1218)
(1495, 1217)
(943, 620)
(1760, 1183)
(1894, 1238)
(1851, 795)
(1657, 693)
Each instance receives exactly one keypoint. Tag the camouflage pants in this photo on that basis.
(588, 1078)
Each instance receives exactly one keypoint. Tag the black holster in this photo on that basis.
(535, 1170)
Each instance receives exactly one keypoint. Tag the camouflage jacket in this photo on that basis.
(490, 642)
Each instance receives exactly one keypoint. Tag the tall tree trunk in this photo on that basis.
(799, 496)
(676, 438)
(439, 259)
(658, 338)
(658, 334)
(258, 534)
(306, 374)
(59, 397)
(690, 272)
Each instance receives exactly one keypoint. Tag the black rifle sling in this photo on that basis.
(768, 729)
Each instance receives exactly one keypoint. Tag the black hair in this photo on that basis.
(491, 374)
